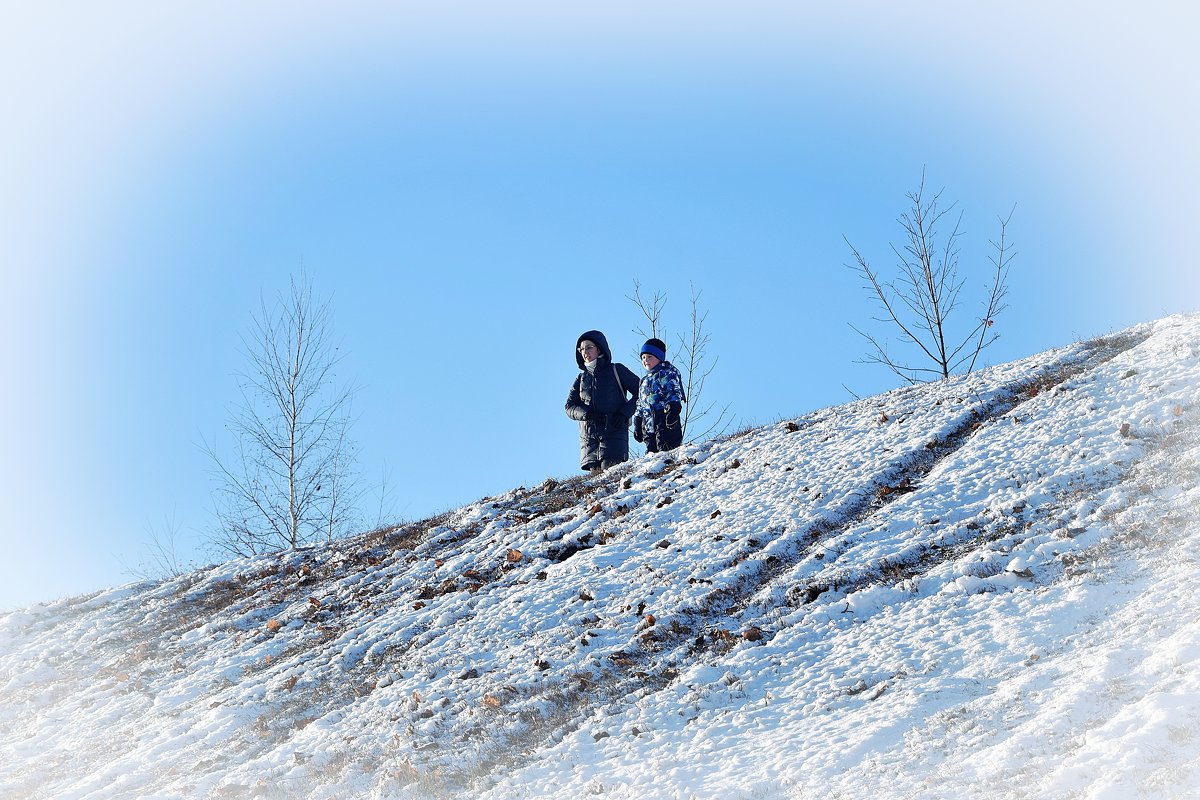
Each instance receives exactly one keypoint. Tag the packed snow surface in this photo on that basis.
(982, 587)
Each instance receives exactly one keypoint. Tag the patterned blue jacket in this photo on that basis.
(662, 386)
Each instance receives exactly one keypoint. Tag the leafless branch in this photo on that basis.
(920, 301)
(651, 309)
(161, 557)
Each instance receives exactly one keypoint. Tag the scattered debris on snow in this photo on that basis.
(983, 587)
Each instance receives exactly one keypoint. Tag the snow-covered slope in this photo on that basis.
(983, 587)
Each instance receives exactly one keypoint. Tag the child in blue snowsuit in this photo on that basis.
(660, 400)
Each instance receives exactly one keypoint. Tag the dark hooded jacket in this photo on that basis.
(602, 400)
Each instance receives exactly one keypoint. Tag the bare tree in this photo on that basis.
(696, 369)
(290, 480)
(694, 364)
(161, 558)
(386, 514)
(922, 298)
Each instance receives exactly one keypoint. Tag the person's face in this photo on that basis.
(588, 350)
(650, 361)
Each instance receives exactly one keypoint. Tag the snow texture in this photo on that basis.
(983, 587)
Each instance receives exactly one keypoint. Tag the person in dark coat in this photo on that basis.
(602, 400)
(660, 401)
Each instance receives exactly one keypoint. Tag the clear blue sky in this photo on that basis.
(476, 185)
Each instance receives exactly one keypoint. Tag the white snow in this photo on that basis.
(982, 588)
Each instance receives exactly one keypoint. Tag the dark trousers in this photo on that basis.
(665, 437)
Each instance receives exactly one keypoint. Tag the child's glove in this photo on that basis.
(672, 416)
(639, 434)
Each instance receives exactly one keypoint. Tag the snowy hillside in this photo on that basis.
(984, 587)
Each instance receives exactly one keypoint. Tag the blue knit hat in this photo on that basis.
(656, 348)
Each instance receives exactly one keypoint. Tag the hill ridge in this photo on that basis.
(531, 643)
